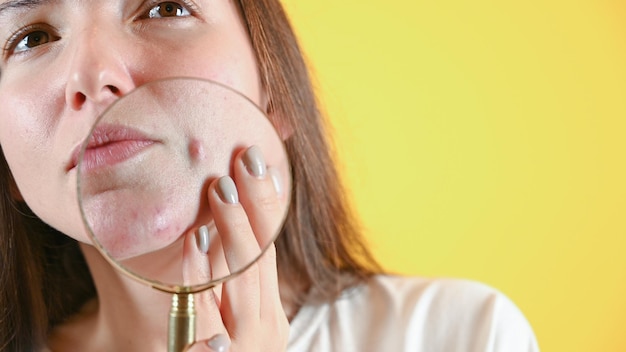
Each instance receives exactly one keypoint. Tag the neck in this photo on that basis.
(127, 315)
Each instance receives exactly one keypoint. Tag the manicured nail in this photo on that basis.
(202, 239)
(276, 180)
(227, 190)
(219, 343)
(254, 162)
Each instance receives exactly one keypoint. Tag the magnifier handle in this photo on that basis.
(182, 324)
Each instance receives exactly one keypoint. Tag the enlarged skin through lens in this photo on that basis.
(140, 206)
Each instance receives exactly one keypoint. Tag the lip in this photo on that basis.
(108, 145)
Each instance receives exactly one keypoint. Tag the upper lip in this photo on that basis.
(105, 134)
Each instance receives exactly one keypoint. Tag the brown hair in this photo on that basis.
(44, 278)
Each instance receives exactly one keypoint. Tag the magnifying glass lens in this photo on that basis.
(145, 169)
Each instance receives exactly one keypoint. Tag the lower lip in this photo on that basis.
(112, 153)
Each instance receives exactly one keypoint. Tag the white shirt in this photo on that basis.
(412, 314)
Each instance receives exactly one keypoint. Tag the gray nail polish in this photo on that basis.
(219, 343)
(254, 162)
(227, 190)
(276, 180)
(202, 239)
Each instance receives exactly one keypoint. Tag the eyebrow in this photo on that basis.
(17, 5)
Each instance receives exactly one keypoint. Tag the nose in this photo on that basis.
(98, 73)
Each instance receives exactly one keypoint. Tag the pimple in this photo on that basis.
(196, 150)
(161, 223)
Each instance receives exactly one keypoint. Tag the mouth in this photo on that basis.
(108, 145)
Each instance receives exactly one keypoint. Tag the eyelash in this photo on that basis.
(23, 33)
(144, 14)
(188, 5)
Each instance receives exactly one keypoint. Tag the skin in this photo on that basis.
(57, 77)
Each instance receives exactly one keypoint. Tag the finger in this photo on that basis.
(195, 260)
(238, 241)
(240, 296)
(217, 261)
(259, 187)
(271, 310)
(196, 270)
(267, 262)
(260, 193)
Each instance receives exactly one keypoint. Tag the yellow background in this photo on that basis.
(486, 140)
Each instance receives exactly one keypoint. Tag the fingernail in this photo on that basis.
(254, 162)
(227, 190)
(202, 239)
(276, 180)
(219, 343)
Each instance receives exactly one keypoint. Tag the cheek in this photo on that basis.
(236, 73)
(231, 64)
(18, 136)
(28, 124)
(30, 118)
(30, 109)
(23, 149)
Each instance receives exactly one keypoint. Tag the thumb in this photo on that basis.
(217, 343)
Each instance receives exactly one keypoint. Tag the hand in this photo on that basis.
(245, 313)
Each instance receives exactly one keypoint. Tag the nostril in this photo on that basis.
(80, 99)
(113, 89)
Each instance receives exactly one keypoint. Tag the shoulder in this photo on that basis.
(460, 313)
(417, 314)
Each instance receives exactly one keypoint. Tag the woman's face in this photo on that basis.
(65, 61)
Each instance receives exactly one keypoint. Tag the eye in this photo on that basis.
(31, 40)
(167, 9)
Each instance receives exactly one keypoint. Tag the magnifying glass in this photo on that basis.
(143, 177)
